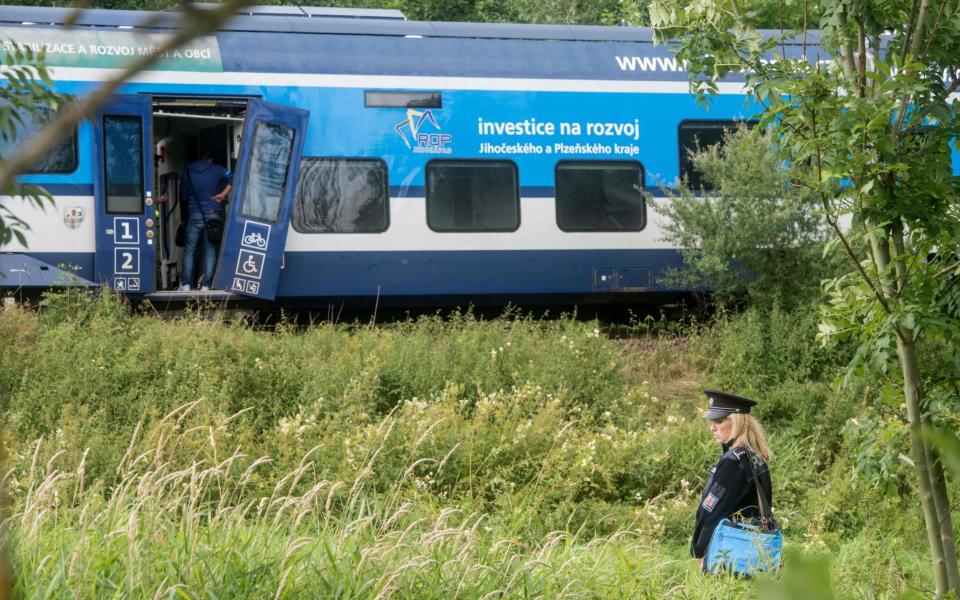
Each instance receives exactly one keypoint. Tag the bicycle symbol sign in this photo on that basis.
(255, 235)
(254, 239)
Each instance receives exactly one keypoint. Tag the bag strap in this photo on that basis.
(193, 195)
(766, 515)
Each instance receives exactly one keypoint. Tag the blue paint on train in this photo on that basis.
(80, 264)
(341, 126)
(631, 112)
(439, 57)
(475, 272)
(446, 273)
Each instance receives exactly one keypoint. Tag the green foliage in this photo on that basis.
(594, 12)
(948, 445)
(868, 134)
(772, 355)
(573, 12)
(787, 14)
(26, 96)
(79, 305)
(756, 236)
(422, 458)
(761, 348)
(808, 577)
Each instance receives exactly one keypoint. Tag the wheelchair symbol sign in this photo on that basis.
(250, 264)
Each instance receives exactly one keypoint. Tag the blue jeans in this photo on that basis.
(196, 234)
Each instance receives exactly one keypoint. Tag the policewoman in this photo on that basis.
(730, 491)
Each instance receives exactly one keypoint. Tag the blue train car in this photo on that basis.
(373, 157)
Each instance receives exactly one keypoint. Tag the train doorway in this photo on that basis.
(144, 145)
(186, 129)
(261, 144)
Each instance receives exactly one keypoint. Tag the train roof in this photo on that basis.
(331, 20)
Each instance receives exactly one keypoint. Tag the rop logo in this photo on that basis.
(423, 141)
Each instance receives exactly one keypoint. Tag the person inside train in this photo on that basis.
(204, 187)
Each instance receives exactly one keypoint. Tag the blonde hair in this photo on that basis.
(748, 432)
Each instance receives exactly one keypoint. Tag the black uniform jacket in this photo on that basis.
(729, 490)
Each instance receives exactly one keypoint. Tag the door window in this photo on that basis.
(267, 172)
(123, 164)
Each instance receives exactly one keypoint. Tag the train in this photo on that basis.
(373, 158)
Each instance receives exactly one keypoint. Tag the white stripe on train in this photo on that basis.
(393, 81)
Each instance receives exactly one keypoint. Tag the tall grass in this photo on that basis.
(202, 530)
(453, 458)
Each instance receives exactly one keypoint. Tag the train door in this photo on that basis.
(123, 191)
(186, 129)
(261, 202)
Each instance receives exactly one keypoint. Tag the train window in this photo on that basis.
(123, 164)
(701, 134)
(62, 158)
(383, 99)
(472, 195)
(267, 172)
(600, 195)
(341, 195)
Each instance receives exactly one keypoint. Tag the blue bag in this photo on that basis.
(746, 549)
(743, 549)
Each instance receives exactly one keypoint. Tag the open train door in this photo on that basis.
(123, 186)
(264, 183)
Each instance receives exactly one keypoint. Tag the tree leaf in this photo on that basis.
(948, 446)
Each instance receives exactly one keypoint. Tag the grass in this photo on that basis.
(201, 530)
(453, 458)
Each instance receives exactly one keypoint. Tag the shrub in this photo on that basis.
(757, 235)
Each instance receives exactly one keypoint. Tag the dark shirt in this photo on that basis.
(207, 180)
(729, 490)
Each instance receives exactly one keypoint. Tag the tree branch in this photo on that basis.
(936, 27)
(856, 263)
(833, 223)
(911, 19)
(947, 269)
(846, 53)
(738, 16)
(918, 32)
(193, 23)
(862, 58)
(900, 268)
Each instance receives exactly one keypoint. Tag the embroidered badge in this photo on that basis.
(709, 502)
(713, 496)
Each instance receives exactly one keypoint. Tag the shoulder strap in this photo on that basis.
(766, 515)
(193, 195)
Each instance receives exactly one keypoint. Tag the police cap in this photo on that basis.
(721, 404)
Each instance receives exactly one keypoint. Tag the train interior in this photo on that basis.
(184, 128)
